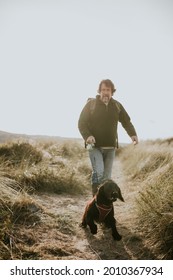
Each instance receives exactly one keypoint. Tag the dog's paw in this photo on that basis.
(117, 237)
(93, 229)
(83, 225)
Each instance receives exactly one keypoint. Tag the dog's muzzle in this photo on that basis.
(114, 196)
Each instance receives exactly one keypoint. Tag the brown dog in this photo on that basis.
(100, 208)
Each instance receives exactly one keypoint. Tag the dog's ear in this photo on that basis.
(101, 190)
(120, 195)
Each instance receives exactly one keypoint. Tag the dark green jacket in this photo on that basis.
(102, 122)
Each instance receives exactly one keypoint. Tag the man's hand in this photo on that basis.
(90, 140)
(134, 139)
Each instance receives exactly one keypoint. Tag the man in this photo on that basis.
(98, 126)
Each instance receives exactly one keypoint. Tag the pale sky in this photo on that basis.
(54, 53)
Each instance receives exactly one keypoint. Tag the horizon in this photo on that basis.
(70, 137)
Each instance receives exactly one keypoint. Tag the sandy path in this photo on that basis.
(81, 243)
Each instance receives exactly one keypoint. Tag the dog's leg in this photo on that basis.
(84, 221)
(91, 214)
(88, 220)
(83, 224)
(92, 226)
(111, 223)
(115, 233)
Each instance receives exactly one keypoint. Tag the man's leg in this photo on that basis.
(108, 157)
(97, 163)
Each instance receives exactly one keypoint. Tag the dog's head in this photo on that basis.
(110, 191)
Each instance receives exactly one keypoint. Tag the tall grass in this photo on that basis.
(149, 165)
(59, 167)
(16, 207)
(17, 153)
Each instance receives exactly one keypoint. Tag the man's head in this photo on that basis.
(106, 90)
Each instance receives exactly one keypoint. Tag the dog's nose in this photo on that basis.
(114, 196)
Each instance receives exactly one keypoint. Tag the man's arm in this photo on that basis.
(83, 123)
(127, 124)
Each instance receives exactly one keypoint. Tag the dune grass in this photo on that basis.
(57, 168)
(62, 167)
(30, 168)
(149, 165)
(17, 153)
(16, 208)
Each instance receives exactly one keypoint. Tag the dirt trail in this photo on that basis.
(79, 243)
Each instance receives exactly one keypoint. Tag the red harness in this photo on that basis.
(104, 210)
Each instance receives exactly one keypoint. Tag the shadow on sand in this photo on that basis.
(131, 247)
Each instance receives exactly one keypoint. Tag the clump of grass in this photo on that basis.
(16, 208)
(67, 149)
(17, 153)
(161, 142)
(84, 169)
(60, 180)
(25, 210)
(156, 212)
(152, 163)
(65, 224)
(62, 172)
(140, 162)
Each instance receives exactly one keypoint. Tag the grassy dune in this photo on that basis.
(31, 168)
(28, 169)
(150, 167)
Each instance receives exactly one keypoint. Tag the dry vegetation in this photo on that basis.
(31, 172)
(150, 167)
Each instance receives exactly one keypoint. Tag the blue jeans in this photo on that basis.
(102, 163)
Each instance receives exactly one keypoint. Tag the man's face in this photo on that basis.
(105, 93)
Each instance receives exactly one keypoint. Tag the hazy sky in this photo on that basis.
(53, 54)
